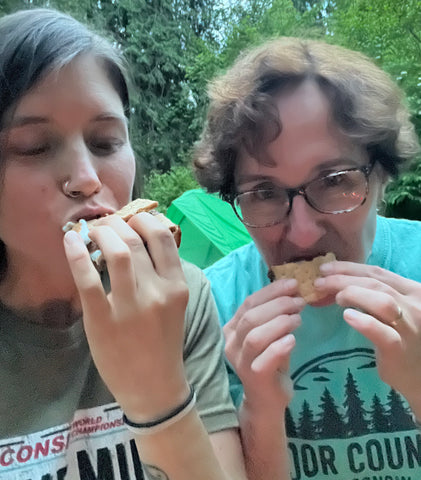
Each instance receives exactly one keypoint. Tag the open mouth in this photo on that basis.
(87, 218)
(306, 258)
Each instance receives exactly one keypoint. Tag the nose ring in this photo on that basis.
(70, 193)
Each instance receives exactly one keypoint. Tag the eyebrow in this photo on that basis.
(315, 173)
(110, 117)
(27, 120)
(22, 121)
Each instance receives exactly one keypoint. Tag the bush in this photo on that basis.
(165, 187)
(403, 196)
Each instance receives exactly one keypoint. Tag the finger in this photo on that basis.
(395, 281)
(381, 335)
(383, 306)
(260, 338)
(87, 280)
(141, 266)
(262, 314)
(275, 357)
(275, 290)
(161, 245)
(119, 257)
(338, 282)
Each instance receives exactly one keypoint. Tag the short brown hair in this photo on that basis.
(366, 105)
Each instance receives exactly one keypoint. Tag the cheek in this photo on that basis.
(368, 233)
(352, 235)
(120, 178)
(25, 192)
(25, 218)
(267, 240)
(265, 236)
(365, 223)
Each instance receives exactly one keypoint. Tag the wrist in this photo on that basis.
(161, 423)
(154, 403)
(262, 412)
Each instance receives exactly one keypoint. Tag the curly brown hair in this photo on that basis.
(367, 106)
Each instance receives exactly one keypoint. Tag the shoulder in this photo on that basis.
(201, 318)
(397, 246)
(401, 223)
(398, 230)
(191, 271)
(234, 277)
(196, 280)
(242, 257)
(201, 302)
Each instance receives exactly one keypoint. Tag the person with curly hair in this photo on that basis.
(301, 139)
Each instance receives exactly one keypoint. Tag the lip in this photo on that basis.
(90, 213)
(304, 258)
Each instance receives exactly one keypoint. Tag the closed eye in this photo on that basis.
(104, 147)
(33, 151)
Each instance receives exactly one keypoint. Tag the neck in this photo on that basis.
(47, 296)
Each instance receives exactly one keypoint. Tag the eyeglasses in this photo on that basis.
(338, 192)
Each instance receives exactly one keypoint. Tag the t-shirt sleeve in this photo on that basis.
(204, 354)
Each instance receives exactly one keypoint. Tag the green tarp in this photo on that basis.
(209, 227)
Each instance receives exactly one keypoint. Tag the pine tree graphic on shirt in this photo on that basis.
(324, 416)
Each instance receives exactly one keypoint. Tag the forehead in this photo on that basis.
(308, 144)
(80, 86)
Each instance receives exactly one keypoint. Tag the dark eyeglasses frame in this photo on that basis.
(301, 190)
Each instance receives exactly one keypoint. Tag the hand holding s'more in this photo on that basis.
(138, 205)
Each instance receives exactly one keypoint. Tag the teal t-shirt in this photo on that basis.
(343, 422)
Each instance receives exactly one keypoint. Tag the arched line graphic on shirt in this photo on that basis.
(317, 365)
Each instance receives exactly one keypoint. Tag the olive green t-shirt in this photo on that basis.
(57, 418)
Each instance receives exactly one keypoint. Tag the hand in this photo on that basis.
(259, 341)
(385, 308)
(135, 332)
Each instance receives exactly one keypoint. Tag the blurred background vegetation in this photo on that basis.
(176, 46)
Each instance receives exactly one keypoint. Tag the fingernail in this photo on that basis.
(71, 238)
(352, 316)
(299, 301)
(290, 283)
(288, 341)
(319, 282)
(326, 268)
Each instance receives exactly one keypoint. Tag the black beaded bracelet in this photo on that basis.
(147, 428)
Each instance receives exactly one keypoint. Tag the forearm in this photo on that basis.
(182, 451)
(264, 443)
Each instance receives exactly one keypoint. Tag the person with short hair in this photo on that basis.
(301, 139)
(79, 347)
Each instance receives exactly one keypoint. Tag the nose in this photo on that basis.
(81, 170)
(303, 229)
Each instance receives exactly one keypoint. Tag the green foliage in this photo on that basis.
(388, 31)
(165, 187)
(261, 20)
(403, 197)
(175, 47)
